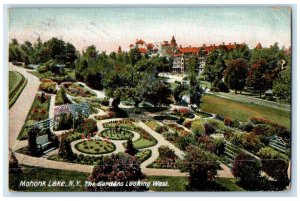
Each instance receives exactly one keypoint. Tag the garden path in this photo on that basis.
(18, 112)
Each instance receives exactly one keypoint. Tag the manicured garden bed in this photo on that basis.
(117, 134)
(39, 111)
(143, 155)
(95, 147)
(76, 90)
(167, 159)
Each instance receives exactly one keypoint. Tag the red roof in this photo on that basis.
(142, 50)
(131, 45)
(177, 55)
(258, 46)
(194, 50)
(140, 42)
(150, 46)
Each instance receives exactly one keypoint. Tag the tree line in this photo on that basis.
(257, 70)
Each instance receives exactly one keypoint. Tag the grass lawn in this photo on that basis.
(44, 174)
(229, 184)
(144, 143)
(17, 82)
(175, 183)
(14, 79)
(95, 147)
(242, 111)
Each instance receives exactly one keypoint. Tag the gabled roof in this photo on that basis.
(140, 42)
(142, 50)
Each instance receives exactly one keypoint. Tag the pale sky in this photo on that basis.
(107, 28)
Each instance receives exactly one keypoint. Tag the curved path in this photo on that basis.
(18, 112)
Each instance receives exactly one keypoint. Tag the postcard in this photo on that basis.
(151, 99)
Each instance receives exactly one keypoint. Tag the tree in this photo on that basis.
(201, 166)
(194, 89)
(32, 144)
(15, 172)
(179, 91)
(210, 73)
(256, 76)
(115, 168)
(282, 85)
(130, 149)
(61, 97)
(247, 169)
(70, 55)
(158, 93)
(134, 56)
(275, 164)
(236, 74)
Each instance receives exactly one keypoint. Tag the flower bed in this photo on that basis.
(123, 123)
(39, 111)
(48, 86)
(167, 159)
(77, 90)
(117, 134)
(95, 147)
(179, 129)
(143, 155)
(108, 115)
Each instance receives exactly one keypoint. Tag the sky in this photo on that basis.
(109, 28)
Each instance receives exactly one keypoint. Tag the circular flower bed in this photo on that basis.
(95, 147)
(117, 134)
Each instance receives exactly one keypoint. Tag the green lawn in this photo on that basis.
(17, 82)
(14, 79)
(117, 135)
(242, 111)
(144, 143)
(95, 147)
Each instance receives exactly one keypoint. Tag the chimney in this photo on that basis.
(189, 45)
(180, 46)
(234, 43)
(229, 43)
(214, 45)
(223, 43)
(204, 45)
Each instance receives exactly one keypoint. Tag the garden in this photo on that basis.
(117, 133)
(95, 147)
(167, 159)
(39, 111)
(76, 89)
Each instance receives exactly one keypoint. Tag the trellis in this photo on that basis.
(278, 144)
(74, 109)
(43, 125)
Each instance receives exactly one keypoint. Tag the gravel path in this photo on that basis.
(18, 112)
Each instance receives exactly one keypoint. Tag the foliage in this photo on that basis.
(235, 74)
(130, 149)
(32, 144)
(247, 169)
(209, 129)
(65, 150)
(275, 164)
(88, 126)
(116, 169)
(167, 158)
(65, 121)
(201, 165)
(48, 86)
(282, 85)
(15, 173)
(61, 97)
(179, 91)
(197, 128)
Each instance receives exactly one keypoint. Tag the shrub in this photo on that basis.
(248, 127)
(275, 164)
(48, 87)
(209, 129)
(197, 127)
(214, 89)
(219, 117)
(65, 121)
(247, 169)
(161, 129)
(263, 129)
(187, 123)
(228, 122)
(61, 97)
(88, 126)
